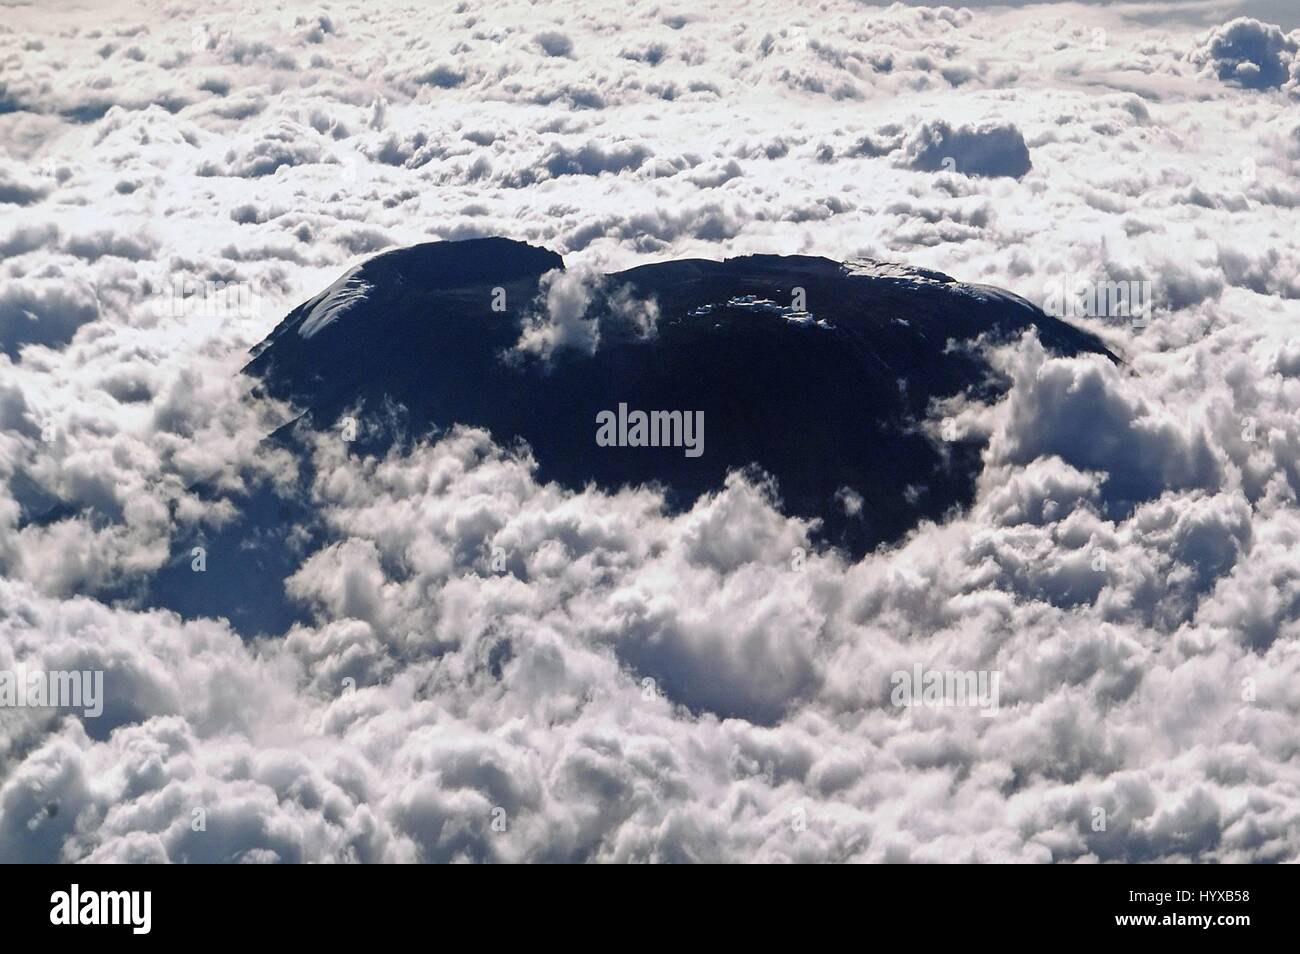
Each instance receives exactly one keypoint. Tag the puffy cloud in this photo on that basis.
(563, 322)
(1248, 53)
(554, 43)
(16, 190)
(561, 317)
(266, 152)
(988, 149)
(1079, 411)
(592, 159)
(43, 312)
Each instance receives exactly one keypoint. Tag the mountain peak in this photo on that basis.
(854, 354)
(455, 264)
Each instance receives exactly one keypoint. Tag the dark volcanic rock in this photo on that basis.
(822, 401)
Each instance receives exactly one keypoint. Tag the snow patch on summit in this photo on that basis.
(334, 301)
(894, 271)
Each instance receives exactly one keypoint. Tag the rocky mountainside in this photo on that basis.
(825, 394)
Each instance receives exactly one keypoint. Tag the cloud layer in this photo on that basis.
(491, 668)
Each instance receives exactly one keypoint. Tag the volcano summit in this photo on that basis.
(826, 394)
(818, 374)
